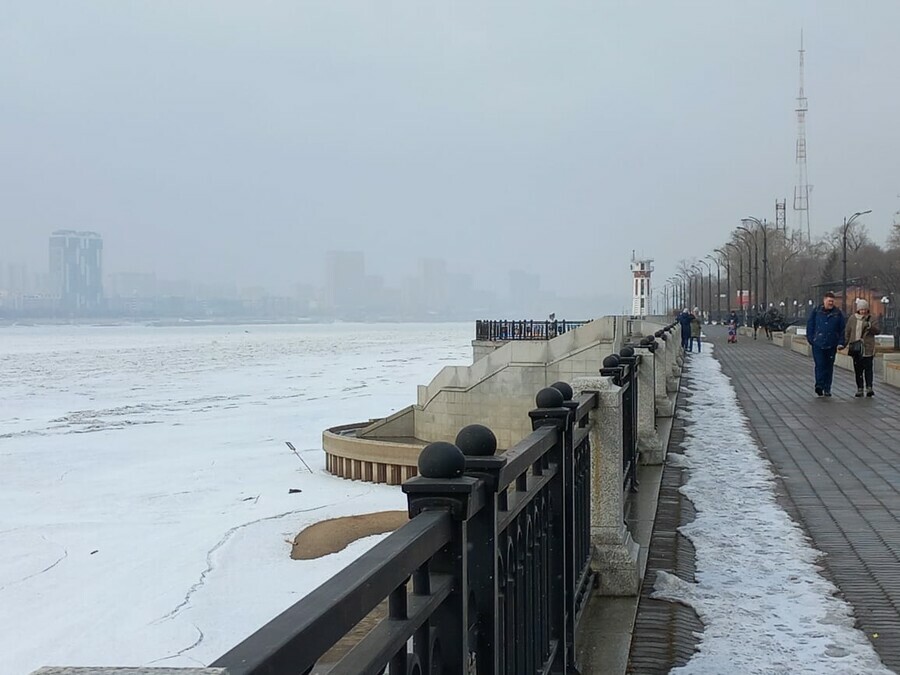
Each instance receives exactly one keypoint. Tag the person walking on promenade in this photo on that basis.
(755, 325)
(732, 331)
(859, 336)
(684, 320)
(696, 329)
(825, 334)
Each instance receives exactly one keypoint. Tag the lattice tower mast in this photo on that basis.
(801, 190)
(780, 216)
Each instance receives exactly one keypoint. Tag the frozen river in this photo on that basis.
(145, 516)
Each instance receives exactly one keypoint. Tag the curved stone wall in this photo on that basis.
(375, 461)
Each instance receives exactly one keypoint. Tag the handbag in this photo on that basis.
(855, 349)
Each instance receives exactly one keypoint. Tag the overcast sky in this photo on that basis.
(241, 140)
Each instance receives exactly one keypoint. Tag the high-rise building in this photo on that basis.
(642, 295)
(345, 283)
(433, 276)
(76, 270)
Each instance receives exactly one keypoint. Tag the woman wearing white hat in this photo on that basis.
(859, 336)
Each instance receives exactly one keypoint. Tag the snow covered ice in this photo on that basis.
(764, 605)
(145, 517)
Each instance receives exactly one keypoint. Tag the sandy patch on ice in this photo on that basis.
(331, 536)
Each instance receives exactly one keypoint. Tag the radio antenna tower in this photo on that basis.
(801, 190)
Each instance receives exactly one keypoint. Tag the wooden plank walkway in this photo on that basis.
(838, 460)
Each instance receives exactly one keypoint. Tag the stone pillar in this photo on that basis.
(649, 444)
(671, 347)
(665, 407)
(614, 552)
(675, 336)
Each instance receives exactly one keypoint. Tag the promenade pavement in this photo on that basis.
(838, 460)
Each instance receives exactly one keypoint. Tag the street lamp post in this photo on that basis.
(673, 282)
(763, 225)
(683, 288)
(718, 287)
(753, 291)
(740, 271)
(708, 290)
(744, 307)
(698, 283)
(847, 224)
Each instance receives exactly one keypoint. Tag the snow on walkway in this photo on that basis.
(764, 604)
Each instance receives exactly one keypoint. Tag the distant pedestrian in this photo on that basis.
(825, 334)
(859, 336)
(732, 331)
(696, 329)
(733, 318)
(755, 325)
(684, 320)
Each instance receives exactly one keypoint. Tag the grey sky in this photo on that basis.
(242, 140)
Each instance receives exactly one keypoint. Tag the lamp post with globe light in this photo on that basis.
(847, 224)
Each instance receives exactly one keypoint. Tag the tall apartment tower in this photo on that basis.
(345, 283)
(642, 295)
(76, 270)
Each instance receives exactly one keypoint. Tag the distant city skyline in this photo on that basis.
(70, 286)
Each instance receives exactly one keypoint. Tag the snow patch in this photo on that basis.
(765, 607)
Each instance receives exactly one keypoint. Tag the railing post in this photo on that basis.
(648, 440)
(672, 347)
(665, 406)
(478, 444)
(615, 553)
(623, 370)
(441, 485)
(552, 411)
(572, 540)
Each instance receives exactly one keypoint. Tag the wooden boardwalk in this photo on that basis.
(838, 460)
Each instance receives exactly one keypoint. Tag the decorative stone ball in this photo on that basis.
(647, 340)
(549, 397)
(611, 361)
(626, 351)
(659, 333)
(476, 440)
(565, 389)
(441, 460)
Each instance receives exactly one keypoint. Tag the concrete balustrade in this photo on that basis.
(649, 443)
(497, 390)
(615, 553)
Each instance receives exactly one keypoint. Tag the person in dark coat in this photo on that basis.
(684, 320)
(825, 334)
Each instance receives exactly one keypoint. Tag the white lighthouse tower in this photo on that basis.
(642, 295)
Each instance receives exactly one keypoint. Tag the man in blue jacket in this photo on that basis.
(684, 320)
(825, 333)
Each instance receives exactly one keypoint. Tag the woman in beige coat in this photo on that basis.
(861, 326)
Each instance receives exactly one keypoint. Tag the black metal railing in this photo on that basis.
(524, 329)
(498, 551)
(623, 368)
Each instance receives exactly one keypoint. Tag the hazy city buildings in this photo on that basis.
(434, 291)
(76, 271)
(345, 287)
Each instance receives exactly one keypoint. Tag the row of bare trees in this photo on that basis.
(796, 271)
